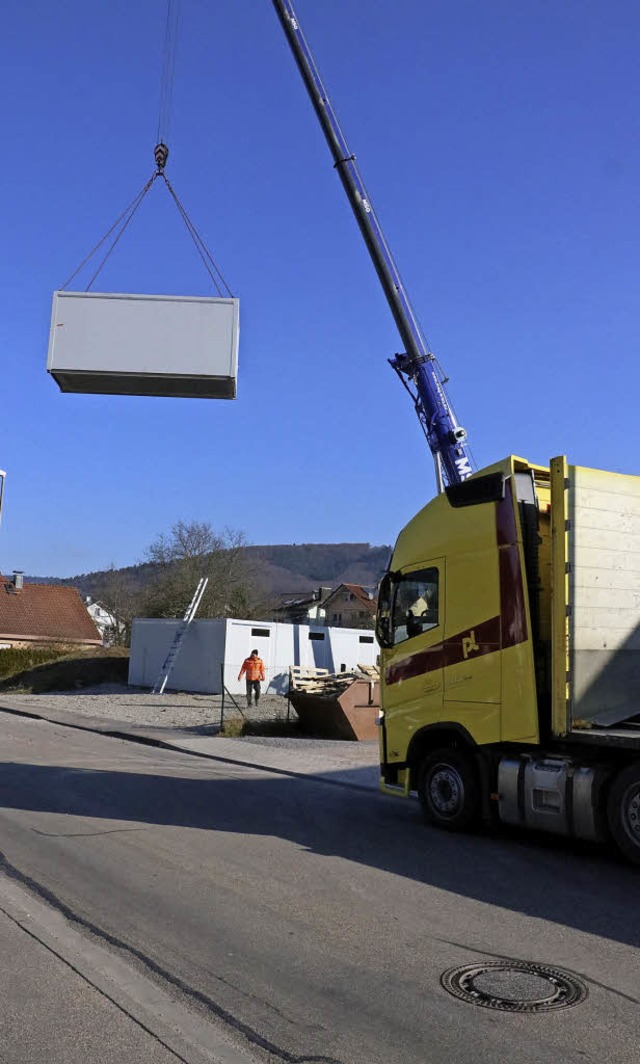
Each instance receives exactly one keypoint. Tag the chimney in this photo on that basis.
(323, 593)
(18, 579)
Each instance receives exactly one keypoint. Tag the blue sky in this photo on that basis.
(499, 143)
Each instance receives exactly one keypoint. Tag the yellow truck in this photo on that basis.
(509, 622)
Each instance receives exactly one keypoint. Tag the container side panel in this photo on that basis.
(352, 647)
(604, 588)
(134, 344)
(243, 637)
(196, 668)
(150, 643)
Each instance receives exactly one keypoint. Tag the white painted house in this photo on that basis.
(104, 620)
(212, 647)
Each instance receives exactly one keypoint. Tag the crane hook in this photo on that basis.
(161, 154)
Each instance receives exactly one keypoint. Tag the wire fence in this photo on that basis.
(265, 701)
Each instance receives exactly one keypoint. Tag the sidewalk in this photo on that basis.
(68, 999)
(352, 764)
(51, 1013)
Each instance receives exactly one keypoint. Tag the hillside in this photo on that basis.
(296, 568)
(280, 571)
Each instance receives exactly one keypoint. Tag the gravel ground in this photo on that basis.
(128, 705)
(181, 711)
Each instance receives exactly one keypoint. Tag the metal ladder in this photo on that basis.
(181, 631)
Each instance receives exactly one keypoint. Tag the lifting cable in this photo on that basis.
(160, 155)
(201, 247)
(130, 210)
(168, 70)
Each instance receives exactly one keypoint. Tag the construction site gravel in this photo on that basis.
(119, 706)
(127, 705)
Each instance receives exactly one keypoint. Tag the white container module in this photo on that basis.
(214, 646)
(110, 344)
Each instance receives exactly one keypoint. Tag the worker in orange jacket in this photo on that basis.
(253, 667)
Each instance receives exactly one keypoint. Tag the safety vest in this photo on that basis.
(254, 668)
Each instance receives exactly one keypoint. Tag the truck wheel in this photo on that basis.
(449, 790)
(623, 812)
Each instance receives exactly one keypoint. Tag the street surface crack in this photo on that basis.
(89, 982)
(81, 834)
(146, 740)
(252, 1036)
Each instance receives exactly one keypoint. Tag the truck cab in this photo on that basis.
(501, 697)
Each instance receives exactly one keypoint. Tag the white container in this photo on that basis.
(110, 344)
(211, 646)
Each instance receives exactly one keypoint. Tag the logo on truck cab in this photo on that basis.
(469, 644)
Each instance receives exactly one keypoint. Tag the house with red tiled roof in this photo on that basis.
(37, 614)
(350, 606)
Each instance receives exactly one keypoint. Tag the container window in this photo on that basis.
(264, 632)
(316, 635)
(365, 639)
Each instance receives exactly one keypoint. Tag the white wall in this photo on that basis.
(197, 667)
(210, 644)
(352, 646)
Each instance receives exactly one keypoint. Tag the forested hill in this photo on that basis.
(280, 570)
(304, 566)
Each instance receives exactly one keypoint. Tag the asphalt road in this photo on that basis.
(309, 922)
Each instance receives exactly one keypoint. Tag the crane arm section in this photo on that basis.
(417, 367)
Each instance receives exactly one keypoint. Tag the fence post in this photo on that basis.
(222, 702)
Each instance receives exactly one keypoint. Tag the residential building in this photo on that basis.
(308, 609)
(351, 606)
(111, 630)
(37, 614)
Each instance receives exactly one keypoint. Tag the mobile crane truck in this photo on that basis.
(509, 619)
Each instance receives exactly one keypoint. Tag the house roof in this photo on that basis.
(44, 612)
(358, 592)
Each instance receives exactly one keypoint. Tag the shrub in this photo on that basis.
(66, 670)
(14, 660)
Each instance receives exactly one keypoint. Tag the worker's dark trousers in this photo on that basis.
(253, 685)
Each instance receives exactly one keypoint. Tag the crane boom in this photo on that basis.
(417, 366)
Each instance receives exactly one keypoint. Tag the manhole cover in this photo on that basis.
(512, 986)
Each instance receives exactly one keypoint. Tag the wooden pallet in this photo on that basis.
(372, 672)
(324, 683)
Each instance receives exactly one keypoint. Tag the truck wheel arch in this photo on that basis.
(434, 737)
(449, 788)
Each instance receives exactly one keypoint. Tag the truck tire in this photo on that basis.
(623, 812)
(449, 790)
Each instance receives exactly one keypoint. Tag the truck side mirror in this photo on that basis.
(383, 631)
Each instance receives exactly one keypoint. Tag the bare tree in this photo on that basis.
(190, 551)
(122, 600)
